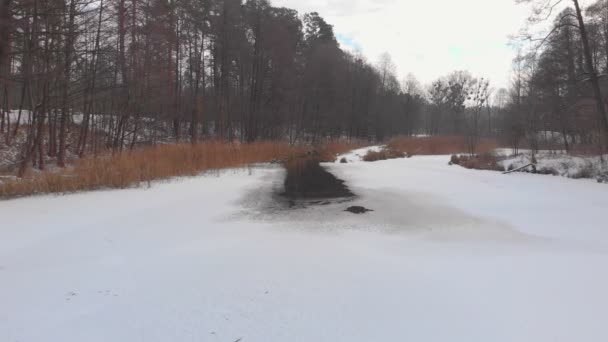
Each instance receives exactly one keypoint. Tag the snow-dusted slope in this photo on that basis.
(448, 255)
(560, 164)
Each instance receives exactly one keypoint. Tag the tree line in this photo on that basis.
(82, 77)
(93, 75)
(557, 98)
(559, 83)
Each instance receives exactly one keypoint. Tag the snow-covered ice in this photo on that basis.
(449, 254)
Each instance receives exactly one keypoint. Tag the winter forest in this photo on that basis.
(347, 170)
(97, 75)
(87, 77)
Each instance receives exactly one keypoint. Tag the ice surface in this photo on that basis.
(448, 254)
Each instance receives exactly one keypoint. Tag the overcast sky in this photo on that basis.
(428, 38)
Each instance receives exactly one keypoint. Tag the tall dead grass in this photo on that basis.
(330, 150)
(384, 154)
(439, 145)
(147, 164)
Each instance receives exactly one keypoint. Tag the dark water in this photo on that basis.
(306, 179)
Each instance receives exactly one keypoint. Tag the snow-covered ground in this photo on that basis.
(358, 154)
(14, 116)
(560, 164)
(449, 254)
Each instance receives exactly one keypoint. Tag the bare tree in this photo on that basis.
(94, 76)
(478, 99)
(543, 10)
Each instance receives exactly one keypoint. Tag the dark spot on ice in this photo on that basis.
(306, 179)
(320, 202)
(357, 210)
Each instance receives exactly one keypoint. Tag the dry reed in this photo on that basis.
(147, 164)
(144, 165)
(330, 150)
(439, 145)
(384, 154)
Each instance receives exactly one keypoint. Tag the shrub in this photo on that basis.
(455, 160)
(439, 145)
(372, 156)
(485, 161)
(384, 154)
(547, 171)
(584, 173)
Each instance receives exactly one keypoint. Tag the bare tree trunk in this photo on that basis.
(65, 110)
(91, 88)
(593, 77)
(5, 28)
(2, 112)
(177, 90)
(31, 34)
(18, 121)
(196, 76)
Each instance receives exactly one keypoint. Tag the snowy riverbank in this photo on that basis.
(449, 254)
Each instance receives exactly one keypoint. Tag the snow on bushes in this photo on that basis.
(383, 154)
(486, 161)
(576, 167)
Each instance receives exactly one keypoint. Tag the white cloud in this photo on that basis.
(427, 38)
